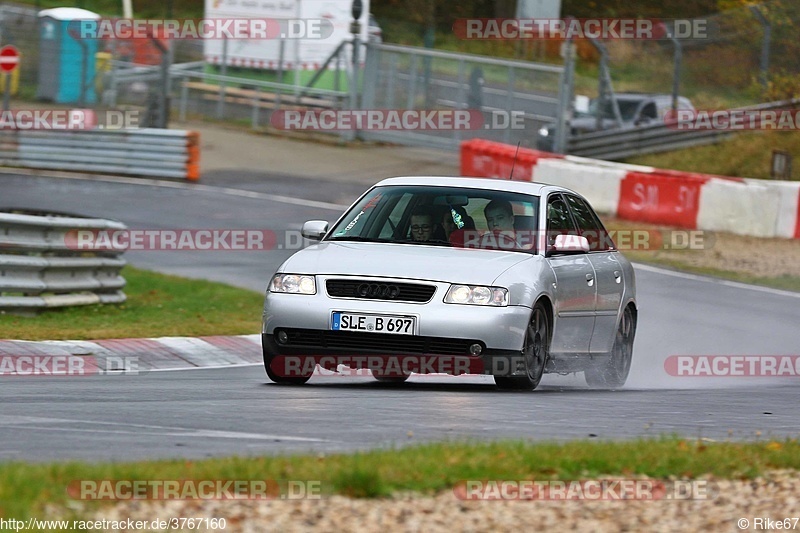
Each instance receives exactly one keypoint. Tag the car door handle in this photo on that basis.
(617, 276)
(590, 279)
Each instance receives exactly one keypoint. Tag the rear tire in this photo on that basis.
(535, 352)
(614, 373)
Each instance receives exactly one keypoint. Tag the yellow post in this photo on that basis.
(102, 65)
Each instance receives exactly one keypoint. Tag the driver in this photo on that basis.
(500, 221)
(422, 224)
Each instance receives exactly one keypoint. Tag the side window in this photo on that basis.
(589, 224)
(395, 217)
(558, 219)
(649, 111)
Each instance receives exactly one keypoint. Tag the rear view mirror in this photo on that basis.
(314, 229)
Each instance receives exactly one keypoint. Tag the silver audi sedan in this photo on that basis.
(459, 276)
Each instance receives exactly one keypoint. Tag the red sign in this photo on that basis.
(9, 58)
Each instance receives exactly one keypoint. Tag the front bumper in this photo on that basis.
(445, 334)
(289, 361)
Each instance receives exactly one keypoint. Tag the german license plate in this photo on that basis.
(398, 325)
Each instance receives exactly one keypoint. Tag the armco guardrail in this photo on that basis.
(619, 144)
(39, 269)
(138, 152)
(760, 208)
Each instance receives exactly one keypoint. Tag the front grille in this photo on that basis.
(379, 290)
(379, 343)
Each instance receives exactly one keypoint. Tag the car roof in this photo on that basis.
(496, 184)
(645, 96)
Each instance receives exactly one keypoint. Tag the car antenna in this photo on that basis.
(511, 175)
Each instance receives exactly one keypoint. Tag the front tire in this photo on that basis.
(395, 380)
(614, 373)
(535, 352)
(282, 380)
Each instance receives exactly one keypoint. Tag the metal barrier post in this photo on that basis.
(412, 90)
(256, 102)
(509, 105)
(390, 81)
(460, 98)
(221, 101)
(764, 44)
(565, 99)
(184, 98)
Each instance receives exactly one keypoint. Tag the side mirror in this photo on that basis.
(571, 244)
(582, 103)
(314, 229)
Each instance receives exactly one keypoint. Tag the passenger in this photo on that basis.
(455, 218)
(423, 224)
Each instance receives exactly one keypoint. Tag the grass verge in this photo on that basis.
(26, 488)
(157, 305)
(746, 154)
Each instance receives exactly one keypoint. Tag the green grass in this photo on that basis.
(157, 305)
(141, 8)
(746, 155)
(430, 468)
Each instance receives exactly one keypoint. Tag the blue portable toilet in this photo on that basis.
(66, 61)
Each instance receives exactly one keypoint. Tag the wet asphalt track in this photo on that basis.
(238, 411)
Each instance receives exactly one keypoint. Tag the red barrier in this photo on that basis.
(797, 220)
(661, 199)
(488, 159)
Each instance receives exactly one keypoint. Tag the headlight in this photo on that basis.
(543, 131)
(477, 295)
(293, 283)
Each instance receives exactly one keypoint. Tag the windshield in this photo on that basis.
(627, 108)
(442, 216)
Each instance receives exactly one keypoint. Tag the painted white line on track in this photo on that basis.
(32, 422)
(708, 279)
(215, 367)
(230, 191)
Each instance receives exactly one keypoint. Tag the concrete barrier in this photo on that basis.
(689, 200)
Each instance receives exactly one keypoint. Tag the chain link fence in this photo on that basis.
(749, 55)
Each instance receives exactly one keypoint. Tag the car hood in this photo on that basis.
(433, 263)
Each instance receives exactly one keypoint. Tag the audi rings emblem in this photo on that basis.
(378, 291)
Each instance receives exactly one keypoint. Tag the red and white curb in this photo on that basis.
(145, 355)
(759, 208)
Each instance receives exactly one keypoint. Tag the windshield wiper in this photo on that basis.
(428, 243)
(358, 238)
